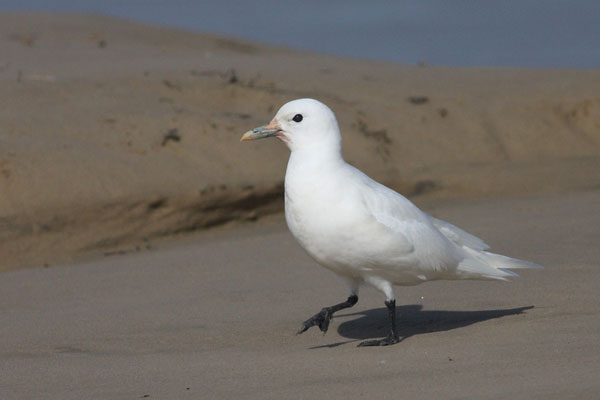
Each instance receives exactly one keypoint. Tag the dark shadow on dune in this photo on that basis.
(373, 323)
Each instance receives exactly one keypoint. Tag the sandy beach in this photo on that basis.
(144, 254)
(217, 313)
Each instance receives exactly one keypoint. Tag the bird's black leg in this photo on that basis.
(392, 338)
(323, 317)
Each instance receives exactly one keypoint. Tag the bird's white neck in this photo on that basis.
(315, 157)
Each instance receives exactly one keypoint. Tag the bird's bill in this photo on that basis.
(262, 132)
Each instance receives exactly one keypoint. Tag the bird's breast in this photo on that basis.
(331, 227)
(316, 219)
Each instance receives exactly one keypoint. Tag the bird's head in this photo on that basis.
(301, 124)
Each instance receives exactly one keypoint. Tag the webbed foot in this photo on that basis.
(321, 319)
(387, 341)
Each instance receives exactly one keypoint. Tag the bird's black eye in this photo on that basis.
(297, 117)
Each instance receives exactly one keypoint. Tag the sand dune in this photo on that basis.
(114, 133)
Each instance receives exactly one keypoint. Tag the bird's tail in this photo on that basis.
(485, 265)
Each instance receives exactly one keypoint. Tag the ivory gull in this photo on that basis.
(360, 229)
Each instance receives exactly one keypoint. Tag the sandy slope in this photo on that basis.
(114, 133)
(214, 317)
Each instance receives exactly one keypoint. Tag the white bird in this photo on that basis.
(362, 230)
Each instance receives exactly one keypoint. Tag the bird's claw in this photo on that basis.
(321, 319)
(387, 341)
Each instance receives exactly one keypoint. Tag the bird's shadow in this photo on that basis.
(412, 320)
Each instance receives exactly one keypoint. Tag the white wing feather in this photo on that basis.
(458, 236)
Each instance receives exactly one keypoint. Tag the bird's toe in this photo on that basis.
(321, 319)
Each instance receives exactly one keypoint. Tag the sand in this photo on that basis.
(115, 134)
(217, 313)
(160, 264)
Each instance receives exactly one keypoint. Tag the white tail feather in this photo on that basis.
(485, 265)
(500, 261)
(471, 268)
